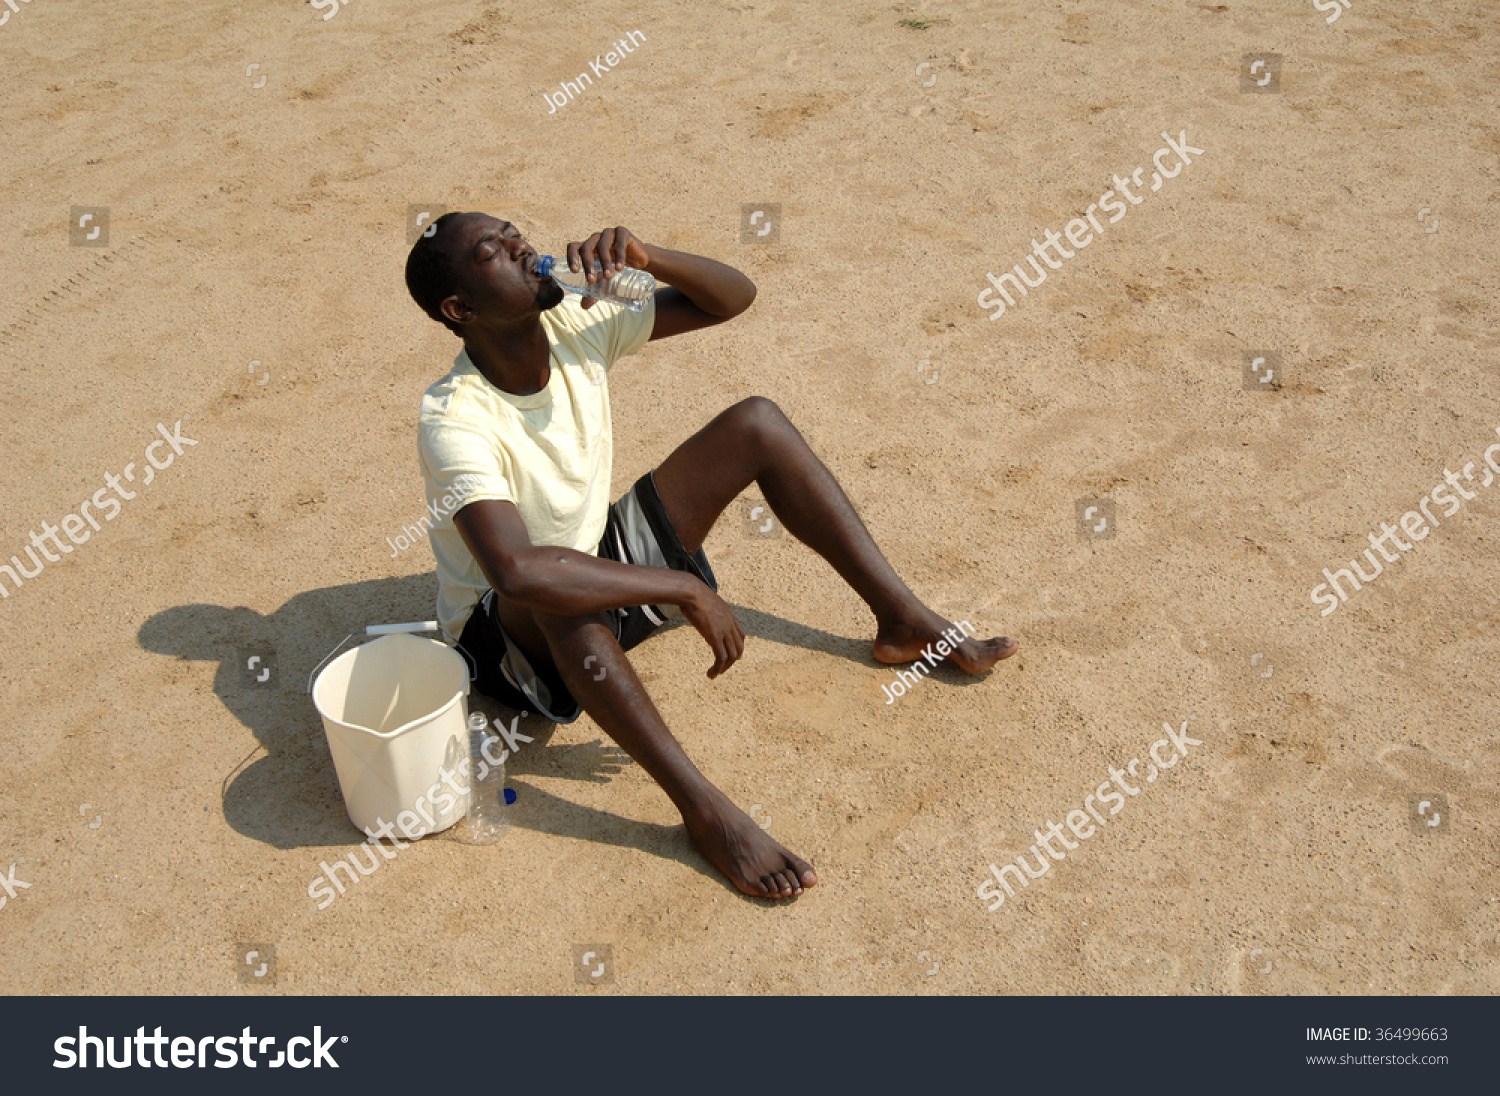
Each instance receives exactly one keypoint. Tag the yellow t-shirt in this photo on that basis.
(549, 453)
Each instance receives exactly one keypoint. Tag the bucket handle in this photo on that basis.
(374, 630)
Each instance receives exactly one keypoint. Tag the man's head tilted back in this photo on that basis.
(481, 268)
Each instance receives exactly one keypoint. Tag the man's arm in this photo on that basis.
(699, 292)
(564, 582)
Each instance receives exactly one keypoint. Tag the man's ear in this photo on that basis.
(456, 309)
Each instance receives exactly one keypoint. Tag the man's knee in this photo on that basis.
(759, 418)
(758, 410)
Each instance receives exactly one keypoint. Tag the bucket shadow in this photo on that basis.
(285, 792)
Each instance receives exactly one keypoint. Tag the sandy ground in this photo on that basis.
(168, 813)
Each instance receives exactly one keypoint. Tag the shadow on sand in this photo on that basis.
(285, 792)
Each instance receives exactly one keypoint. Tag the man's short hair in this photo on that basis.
(431, 275)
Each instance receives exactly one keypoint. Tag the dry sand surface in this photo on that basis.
(168, 813)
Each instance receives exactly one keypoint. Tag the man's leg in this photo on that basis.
(619, 703)
(753, 442)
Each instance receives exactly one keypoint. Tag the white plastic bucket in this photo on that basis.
(396, 712)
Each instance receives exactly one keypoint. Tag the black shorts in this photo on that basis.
(638, 531)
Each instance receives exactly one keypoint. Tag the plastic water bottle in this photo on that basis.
(487, 816)
(629, 287)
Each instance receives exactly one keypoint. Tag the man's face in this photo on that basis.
(496, 271)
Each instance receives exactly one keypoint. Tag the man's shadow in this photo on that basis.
(285, 792)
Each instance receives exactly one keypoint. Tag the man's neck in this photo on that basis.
(514, 360)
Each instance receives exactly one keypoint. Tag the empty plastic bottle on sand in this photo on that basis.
(629, 287)
(487, 815)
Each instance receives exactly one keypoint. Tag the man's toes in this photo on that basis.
(803, 871)
(789, 884)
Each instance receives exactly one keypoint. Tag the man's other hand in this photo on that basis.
(715, 621)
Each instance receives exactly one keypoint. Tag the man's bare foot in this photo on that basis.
(739, 848)
(903, 641)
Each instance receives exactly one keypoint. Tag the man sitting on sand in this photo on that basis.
(541, 581)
